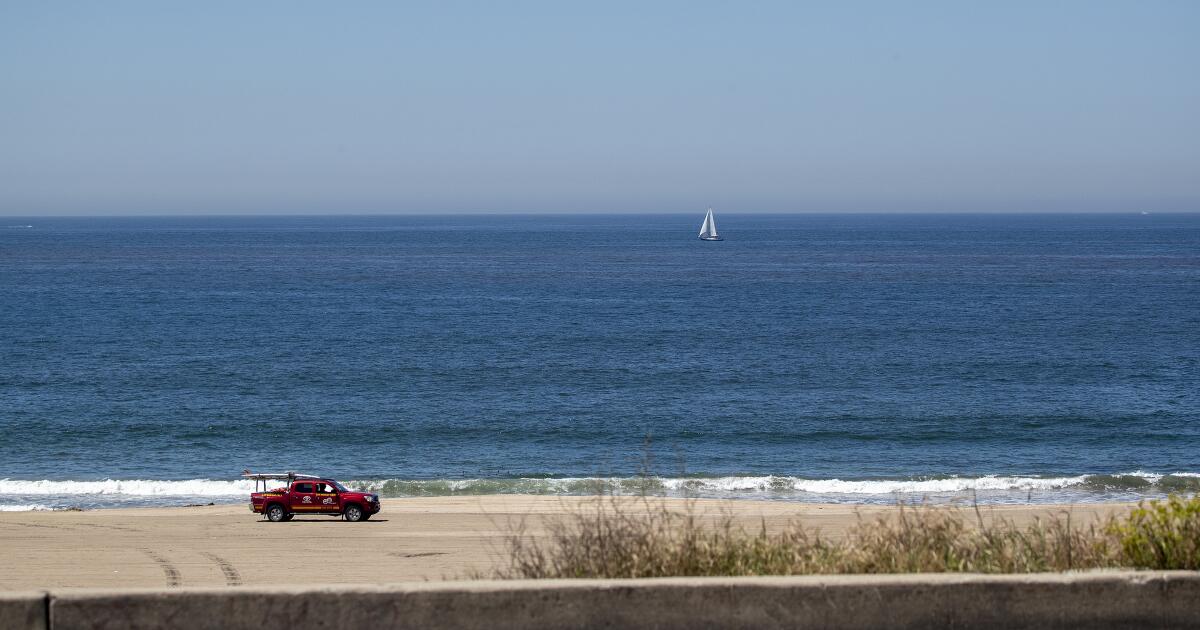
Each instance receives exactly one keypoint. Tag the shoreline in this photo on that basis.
(989, 489)
(419, 539)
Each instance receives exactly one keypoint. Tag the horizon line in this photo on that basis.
(610, 213)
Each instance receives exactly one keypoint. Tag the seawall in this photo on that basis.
(1088, 600)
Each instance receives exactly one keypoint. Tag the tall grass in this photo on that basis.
(614, 538)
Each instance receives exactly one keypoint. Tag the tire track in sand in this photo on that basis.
(232, 577)
(169, 570)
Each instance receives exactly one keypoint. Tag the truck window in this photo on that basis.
(302, 487)
(324, 488)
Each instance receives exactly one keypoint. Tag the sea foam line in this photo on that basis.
(587, 485)
(741, 485)
(128, 487)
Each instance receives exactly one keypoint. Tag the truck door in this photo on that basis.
(302, 499)
(326, 496)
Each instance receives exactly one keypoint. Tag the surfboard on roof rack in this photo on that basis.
(263, 478)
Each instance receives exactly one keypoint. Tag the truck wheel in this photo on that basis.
(354, 513)
(276, 513)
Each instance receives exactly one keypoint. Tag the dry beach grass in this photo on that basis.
(614, 538)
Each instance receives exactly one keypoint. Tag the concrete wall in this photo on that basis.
(22, 611)
(1095, 600)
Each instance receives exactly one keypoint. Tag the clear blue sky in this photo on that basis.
(560, 106)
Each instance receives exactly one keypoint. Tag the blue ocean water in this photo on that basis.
(807, 357)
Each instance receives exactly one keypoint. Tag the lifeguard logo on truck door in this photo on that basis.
(308, 499)
(327, 500)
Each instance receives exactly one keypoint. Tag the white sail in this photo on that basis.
(708, 229)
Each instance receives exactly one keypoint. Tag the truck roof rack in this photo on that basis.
(286, 475)
(263, 478)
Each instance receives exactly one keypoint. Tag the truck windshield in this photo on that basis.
(339, 486)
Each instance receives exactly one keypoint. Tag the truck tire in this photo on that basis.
(276, 513)
(353, 513)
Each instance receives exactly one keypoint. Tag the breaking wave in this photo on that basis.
(20, 495)
(25, 507)
(783, 486)
(128, 487)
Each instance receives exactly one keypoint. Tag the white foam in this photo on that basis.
(1148, 476)
(758, 484)
(128, 487)
(839, 486)
(28, 507)
(123, 489)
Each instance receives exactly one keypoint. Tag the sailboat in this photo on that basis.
(708, 229)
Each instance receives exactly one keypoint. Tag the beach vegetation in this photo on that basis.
(633, 537)
(1161, 534)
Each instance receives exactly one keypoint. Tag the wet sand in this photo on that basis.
(411, 539)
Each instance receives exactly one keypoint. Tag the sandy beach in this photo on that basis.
(411, 539)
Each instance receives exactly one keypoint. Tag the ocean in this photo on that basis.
(825, 358)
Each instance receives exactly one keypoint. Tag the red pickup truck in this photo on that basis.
(307, 494)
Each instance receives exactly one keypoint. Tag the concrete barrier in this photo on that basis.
(23, 611)
(1094, 600)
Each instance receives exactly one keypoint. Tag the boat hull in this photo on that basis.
(711, 238)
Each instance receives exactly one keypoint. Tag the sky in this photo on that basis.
(265, 107)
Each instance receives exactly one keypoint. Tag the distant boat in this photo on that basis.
(708, 229)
